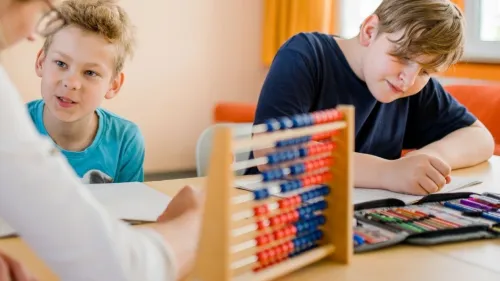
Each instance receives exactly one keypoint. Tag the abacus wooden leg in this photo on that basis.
(214, 254)
(340, 208)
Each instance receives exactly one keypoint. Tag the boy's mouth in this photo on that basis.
(394, 88)
(65, 100)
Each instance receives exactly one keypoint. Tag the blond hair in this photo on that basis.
(103, 17)
(430, 27)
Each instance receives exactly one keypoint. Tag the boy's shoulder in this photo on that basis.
(319, 51)
(120, 127)
(34, 106)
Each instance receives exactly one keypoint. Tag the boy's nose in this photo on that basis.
(409, 76)
(71, 83)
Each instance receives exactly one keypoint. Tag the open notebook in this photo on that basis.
(133, 202)
(363, 195)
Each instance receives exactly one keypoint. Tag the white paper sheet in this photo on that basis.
(134, 201)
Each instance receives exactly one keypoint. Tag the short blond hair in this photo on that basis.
(431, 27)
(103, 17)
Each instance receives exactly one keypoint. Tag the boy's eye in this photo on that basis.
(60, 63)
(91, 73)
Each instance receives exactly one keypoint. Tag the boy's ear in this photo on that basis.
(40, 58)
(369, 30)
(116, 85)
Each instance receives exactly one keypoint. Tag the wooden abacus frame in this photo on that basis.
(214, 255)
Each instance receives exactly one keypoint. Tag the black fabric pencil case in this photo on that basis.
(434, 219)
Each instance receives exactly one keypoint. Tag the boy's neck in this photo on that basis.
(74, 136)
(353, 53)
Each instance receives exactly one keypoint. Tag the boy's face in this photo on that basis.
(387, 77)
(78, 72)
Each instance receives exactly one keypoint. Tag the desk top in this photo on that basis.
(477, 260)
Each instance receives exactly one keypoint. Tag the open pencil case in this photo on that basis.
(434, 219)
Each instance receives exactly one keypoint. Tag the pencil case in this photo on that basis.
(434, 219)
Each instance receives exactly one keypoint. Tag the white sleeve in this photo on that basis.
(44, 201)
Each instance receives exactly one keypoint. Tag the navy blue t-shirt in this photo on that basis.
(311, 73)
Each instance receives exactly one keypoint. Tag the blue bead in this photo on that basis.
(308, 120)
(326, 190)
(307, 225)
(295, 184)
(261, 194)
(281, 143)
(297, 121)
(285, 187)
(266, 176)
(272, 158)
(302, 152)
(322, 220)
(272, 125)
(296, 242)
(285, 123)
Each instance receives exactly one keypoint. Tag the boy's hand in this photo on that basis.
(417, 174)
(188, 199)
(12, 270)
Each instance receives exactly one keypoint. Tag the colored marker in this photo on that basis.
(474, 204)
(458, 207)
(491, 216)
(358, 240)
(492, 195)
(486, 200)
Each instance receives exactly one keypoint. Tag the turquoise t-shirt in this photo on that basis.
(115, 155)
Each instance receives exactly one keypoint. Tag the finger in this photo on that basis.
(429, 185)
(441, 166)
(4, 270)
(436, 177)
(448, 179)
(18, 271)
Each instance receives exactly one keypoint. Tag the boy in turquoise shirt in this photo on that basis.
(79, 66)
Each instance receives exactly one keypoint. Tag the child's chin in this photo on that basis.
(384, 97)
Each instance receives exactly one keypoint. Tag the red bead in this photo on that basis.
(260, 210)
(283, 218)
(290, 246)
(261, 225)
(283, 203)
(263, 256)
(279, 234)
(309, 166)
(293, 230)
(275, 220)
(296, 200)
(295, 216)
(284, 248)
(279, 253)
(262, 240)
(271, 252)
(306, 181)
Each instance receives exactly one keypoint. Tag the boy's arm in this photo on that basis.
(440, 126)
(464, 147)
(131, 166)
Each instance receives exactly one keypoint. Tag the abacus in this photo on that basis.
(299, 213)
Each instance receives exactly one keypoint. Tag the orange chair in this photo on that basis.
(483, 101)
(232, 112)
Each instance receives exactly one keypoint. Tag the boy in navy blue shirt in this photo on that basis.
(386, 73)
